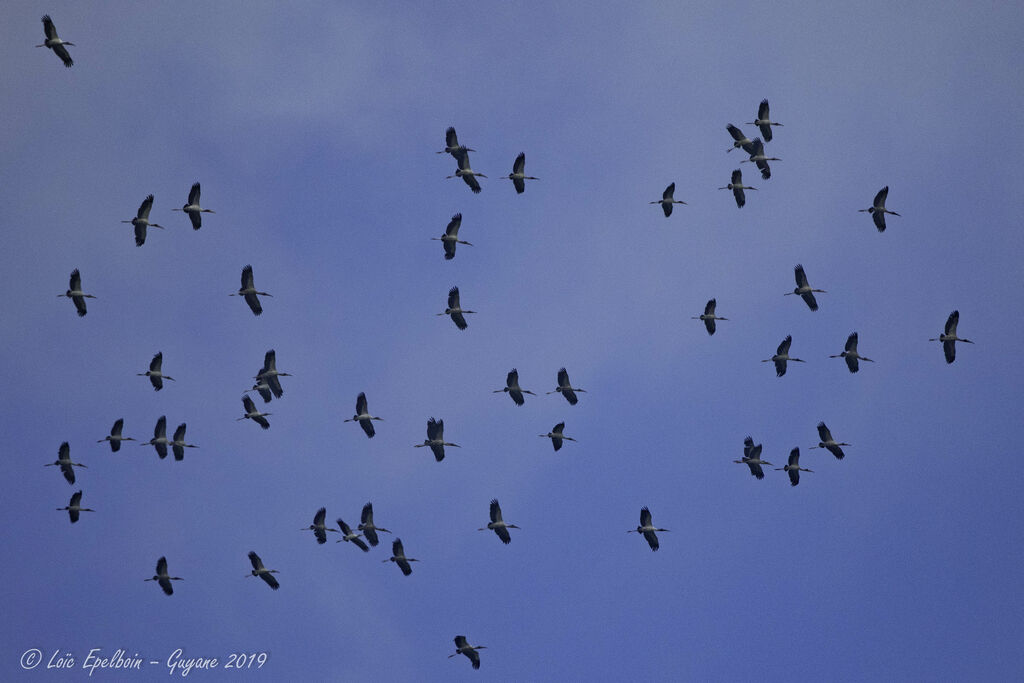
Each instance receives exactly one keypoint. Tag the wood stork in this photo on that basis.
(740, 141)
(350, 536)
(115, 437)
(162, 578)
(54, 42)
(399, 558)
(435, 439)
(270, 373)
(667, 200)
(450, 238)
(851, 355)
(259, 570)
(452, 146)
(949, 338)
(194, 211)
(367, 526)
(178, 444)
(249, 293)
(830, 444)
(708, 316)
(159, 440)
(512, 388)
(759, 159)
(75, 506)
(76, 294)
(462, 647)
(363, 416)
(752, 458)
(878, 210)
(499, 525)
(764, 122)
(263, 388)
(737, 188)
(455, 309)
(67, 468)
(557, 436)
(141, 221)
(518, 176)
(252, 414)
(465, 172)
(803, 289)
(793, 467)
(566, 389)
(781, 356)
(647, 528)
(318, 527)
(155, 374)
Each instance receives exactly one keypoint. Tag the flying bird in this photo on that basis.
(467, 174)
(455, 309)
(830, 444)
(647, 528)
(667, 200)
(115, 437)
(318, 527)
(367, 526)
(249, 293)
(155, 374)
(159, 440)
(740, 141)
(450, 238)
(518, 176)
(162, 578)
(462, 647)
(452, 146)
(270, 374)
(557, 436)
(764, 122)
(350, 536)
(878, 210)
(737, 188)
(67, 468)
(752, 458)
(566, 389)
(781, 356)
(708, 316)
(512, 388)
(949, 338)
(75, 506)
(76, 294)
(259, 570)
(363, 416)
(141, 221)
(178, 444)
(263, 388)
(851, 355)
(759, 159)
(192, 208)
(54, 42)
(499, 525)
(252, 414)
(435, 439)
(803, 289)
(793, 467)
(399, 558)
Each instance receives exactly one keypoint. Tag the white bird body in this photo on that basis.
(667, 200)
(566, 389)
(399, 558)
(74, 506)
(497, 524)
(949, 338)
(737, 187)
(251, 413)
(435, 439)
(262, 572)
(455, 309)
(193, 209)
(249, 292)
(759, 158)
(155, 372)
(793, 467)
(518, 175)
(557, 436)
(782, 356)
(803, 289)
(512, 388)
(465, 172)
(63, 461)
(349, 536)
(159, 441)
(647, 529)
(708, 316)
(764, 122)
(54, 42)
(462, 647)
(367, 526)
(141, 221)
(162, 578)
(851, 355)
(363, 416)
(115, 437)
(878, 210)
(270, 374)
(318, 527)
(830, 444)
(76, 294)
(752, 458)
(450, 238)
(178, 444)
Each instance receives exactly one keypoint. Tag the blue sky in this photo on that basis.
(313, 130)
